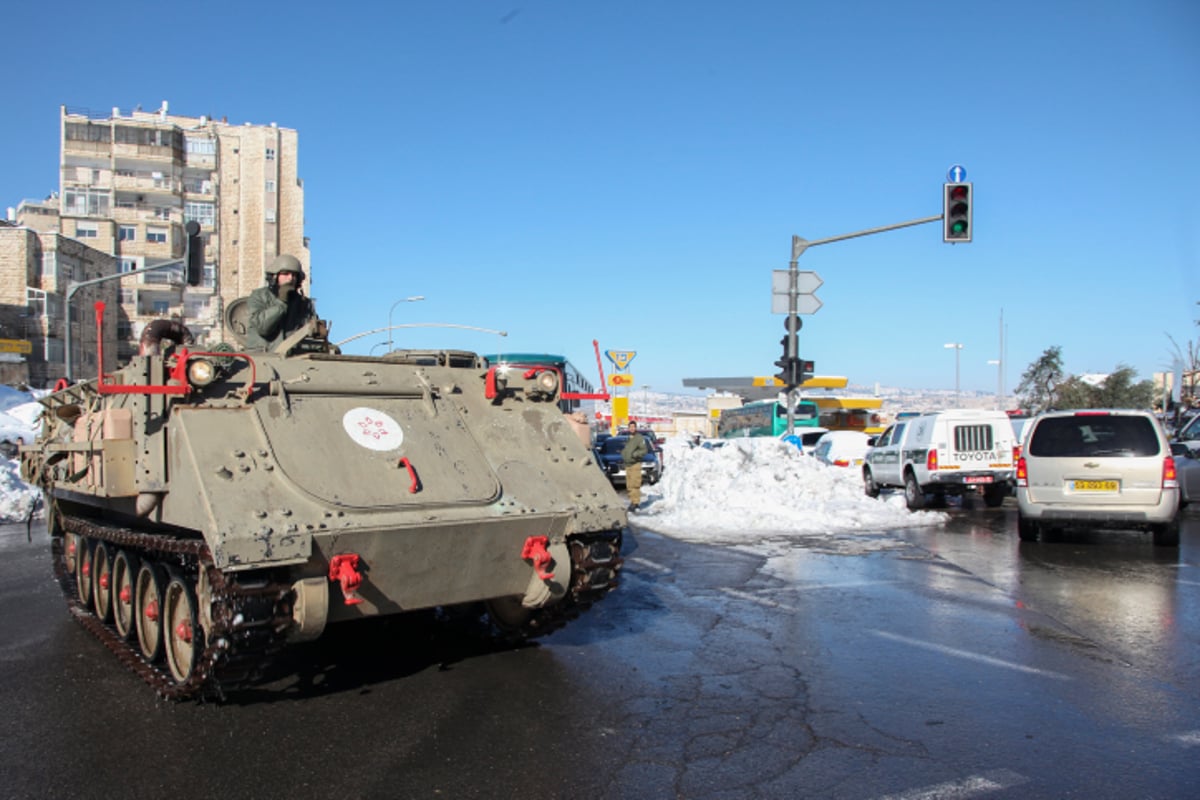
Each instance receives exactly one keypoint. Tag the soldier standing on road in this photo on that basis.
(278, 309)
(631, 456)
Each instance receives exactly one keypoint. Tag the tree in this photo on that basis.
(1043, 386)
(1119, 390)
(1036, 391)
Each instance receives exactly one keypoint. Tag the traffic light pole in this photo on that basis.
(791, 346)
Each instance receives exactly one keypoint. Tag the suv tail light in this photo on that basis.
(1170, 479)
(1016, 452)
(1023, 474)
(931, 461)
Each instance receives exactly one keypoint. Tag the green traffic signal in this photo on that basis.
(956, 212)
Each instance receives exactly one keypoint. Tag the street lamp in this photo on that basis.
(412, 299)
(377, 344)
(999, 382)
(957, 348)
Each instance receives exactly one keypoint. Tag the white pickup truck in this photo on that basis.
(943, 453)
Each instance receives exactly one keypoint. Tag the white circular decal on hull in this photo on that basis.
(372, 429)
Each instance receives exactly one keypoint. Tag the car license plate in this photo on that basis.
(978, 479)
(1095, 486)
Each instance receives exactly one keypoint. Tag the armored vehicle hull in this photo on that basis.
(206, 509)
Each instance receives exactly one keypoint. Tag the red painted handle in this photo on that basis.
(412, 475)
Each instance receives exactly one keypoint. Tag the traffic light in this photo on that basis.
(195, 253)
(783, 362)
(806, 370)
(957, 200)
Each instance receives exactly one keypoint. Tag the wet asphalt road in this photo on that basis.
(954, 663)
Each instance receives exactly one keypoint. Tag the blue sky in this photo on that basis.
(633, 172)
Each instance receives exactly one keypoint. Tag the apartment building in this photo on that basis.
(130, 181)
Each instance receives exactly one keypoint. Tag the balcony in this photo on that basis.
(145, 181)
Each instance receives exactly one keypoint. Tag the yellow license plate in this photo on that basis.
(1096, 486)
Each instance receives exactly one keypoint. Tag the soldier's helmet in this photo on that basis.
(285, 262)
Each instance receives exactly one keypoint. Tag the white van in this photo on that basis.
(1098, 468)
(944, 453)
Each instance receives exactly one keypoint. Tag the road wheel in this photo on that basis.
(1166, 534)
(124, 572)
(1027, 529)
(84, 550)
(183, 639)
(993, 495)
(912, 492)
(148, 596)
(102, 580)
(869, 484)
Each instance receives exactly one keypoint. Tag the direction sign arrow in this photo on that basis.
(807, 304)
(806, 282)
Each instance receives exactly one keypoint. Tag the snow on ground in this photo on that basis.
(759, 491)
(18, 424)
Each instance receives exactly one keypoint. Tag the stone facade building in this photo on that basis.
(36, 270)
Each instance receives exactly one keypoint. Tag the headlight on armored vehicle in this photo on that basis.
(201, 372)
(547, 381)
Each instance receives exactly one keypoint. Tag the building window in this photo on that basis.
(209, 279)
(127, 265)
(127, 233)
(156, 235)
(270, 186)
(270, 214)
(86, 230)
(83, 202)
(270, 154)
(204, 147)
(162, 213)
(204, 213)
(86, 132)
(161, 307)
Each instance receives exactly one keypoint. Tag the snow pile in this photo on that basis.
(748, 487)
(19, 413)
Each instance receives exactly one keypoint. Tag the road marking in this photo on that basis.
(1187, 583)
(1189, 739)
(967, 654)
(973, 786)
(647, 563)
(842, 585)
(762, 601)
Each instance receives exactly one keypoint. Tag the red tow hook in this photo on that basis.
(535, 550)
(344, 569)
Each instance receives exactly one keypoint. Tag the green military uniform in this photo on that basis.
(278, 309)
(631, 456)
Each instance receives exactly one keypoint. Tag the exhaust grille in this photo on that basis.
(972, 437)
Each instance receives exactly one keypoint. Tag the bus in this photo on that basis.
(575, 387)
(765, 418)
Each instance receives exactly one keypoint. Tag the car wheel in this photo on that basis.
(1027, 529)
(993, 496)
(869, 484)
(912, 493)
(1166, 534)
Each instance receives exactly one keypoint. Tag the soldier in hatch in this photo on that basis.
(278, 309)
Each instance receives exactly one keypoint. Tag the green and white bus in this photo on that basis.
(765, 418)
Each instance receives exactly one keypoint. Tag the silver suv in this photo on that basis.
(1097, 469)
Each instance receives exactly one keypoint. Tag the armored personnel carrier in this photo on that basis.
(205, 509)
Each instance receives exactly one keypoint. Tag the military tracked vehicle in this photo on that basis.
(205, 509)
